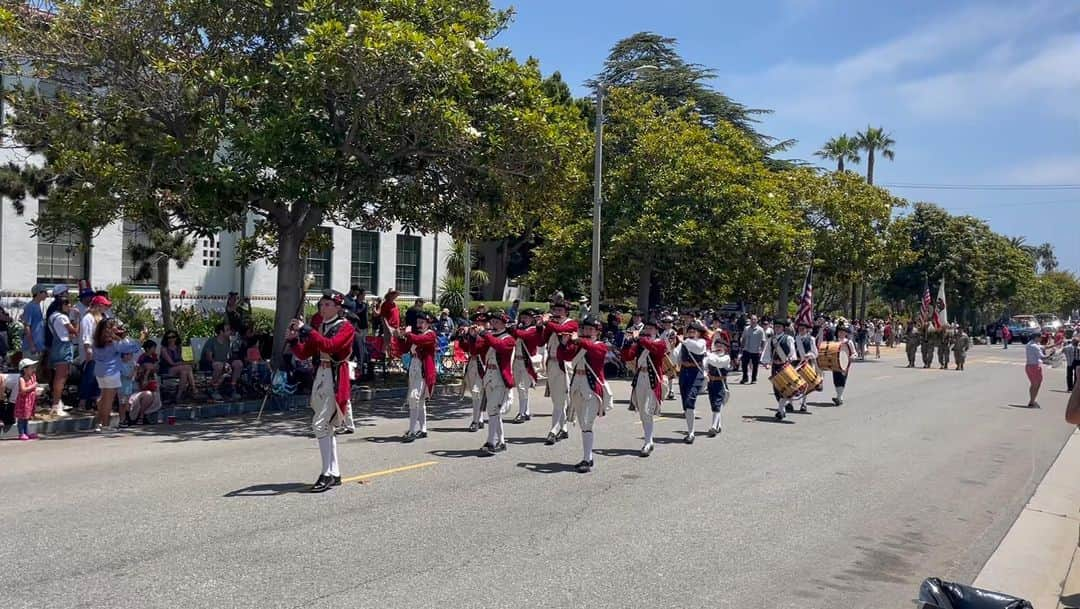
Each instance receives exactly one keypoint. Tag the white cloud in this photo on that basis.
(996, 55)
(1046, 170)
(1048, 77)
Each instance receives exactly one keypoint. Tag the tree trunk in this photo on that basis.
(870, 166)
(499, 270)
(644, 285)
(290, 282)
(854, 301)
(785, 293)
(839, 164)
(862, 302)
(163, 293)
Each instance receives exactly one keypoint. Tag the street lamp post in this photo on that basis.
(598, 171)
(598, 197)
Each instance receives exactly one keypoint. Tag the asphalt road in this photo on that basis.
(920, 472)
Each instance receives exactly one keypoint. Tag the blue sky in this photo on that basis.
(974, 93)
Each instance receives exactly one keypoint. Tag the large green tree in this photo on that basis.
(982, 270)
(360, 113)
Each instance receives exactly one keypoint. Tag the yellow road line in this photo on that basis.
(387, 472)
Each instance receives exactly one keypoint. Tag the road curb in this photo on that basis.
(194, 412)
(1034, 558)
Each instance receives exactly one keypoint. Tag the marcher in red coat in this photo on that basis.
(646, 393)
(329, 344)
(588, 388)
(529, 337)
(558, 383)
(421, 344)
(496, 350)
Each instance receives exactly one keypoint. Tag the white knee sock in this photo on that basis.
(647, 425)
(840, 393)
(328, 452)
(716, 420)
(476, 409)
(421, 416)
(497, 426)
(689, 421)
(523, 402)
(492, 438)
(334, 471)
(587, 443)
(558, 419)
(414, 417)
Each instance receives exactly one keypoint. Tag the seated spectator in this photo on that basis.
(217, 357)
(444, 326)
(147, 364)
(5, 325)
(253, 355)
(146, 401)
(172, 364)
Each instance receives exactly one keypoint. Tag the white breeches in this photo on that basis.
(496, 393)
(584, 406)
(522, 384)
(643, 398)
(417, 397)
(326, 415)
(558, 386)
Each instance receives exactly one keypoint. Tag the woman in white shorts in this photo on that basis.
(109, 346)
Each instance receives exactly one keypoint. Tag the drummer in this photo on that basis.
(806, 348)
(779, 352)
(717, 363)
(840, 377)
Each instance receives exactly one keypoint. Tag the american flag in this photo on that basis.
(926, 302)
(806, 301)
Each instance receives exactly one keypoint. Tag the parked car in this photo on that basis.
(1024, 327)
(1049, 321)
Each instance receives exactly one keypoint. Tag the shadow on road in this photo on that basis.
(269, 490)
(618, 452)
(452, 453)
(548, 468)
(749, 418)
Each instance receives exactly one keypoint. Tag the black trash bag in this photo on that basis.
(937, 594)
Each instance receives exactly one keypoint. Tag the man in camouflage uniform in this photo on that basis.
(945, 346)
(911, 338)
(930, 339)
(960, 347)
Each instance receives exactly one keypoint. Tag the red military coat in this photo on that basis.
(336, 339)
(504, 345)
(596, 353)
(531, 337)
(657, 348)
(426, 344)
(552, 328)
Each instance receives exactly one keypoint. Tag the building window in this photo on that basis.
(317, 262)
(211, 250)
(365, 260)
(408, 265)
(64, 259)
(135, 235)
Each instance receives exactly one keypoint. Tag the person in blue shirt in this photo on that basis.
(34, 321)
(110, 345)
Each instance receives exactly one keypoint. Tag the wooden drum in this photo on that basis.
(832, 356)
(810, 375)
(788, 382)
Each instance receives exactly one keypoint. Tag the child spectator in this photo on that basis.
(127, 387)
(147, 363)
(147, 400)
(27, 398)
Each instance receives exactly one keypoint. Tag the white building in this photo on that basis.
(376, 261)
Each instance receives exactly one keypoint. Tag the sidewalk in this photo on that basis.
(84, 421)
(1039, 558)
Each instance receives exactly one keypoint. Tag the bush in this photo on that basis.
(191, 321)
(131, 309)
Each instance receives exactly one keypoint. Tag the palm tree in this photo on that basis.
(840, 149)
(1046, 257)
(1031, 251)
(874, 139)
(455, 264)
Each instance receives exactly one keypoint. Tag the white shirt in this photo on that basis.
(1034, 352)
(59, 323)
(801, 347)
